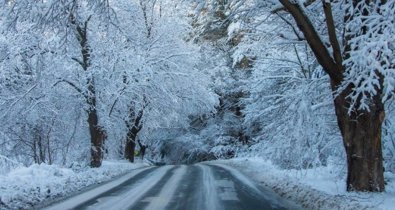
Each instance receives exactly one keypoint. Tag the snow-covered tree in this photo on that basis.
(361, 74)
(107, 59)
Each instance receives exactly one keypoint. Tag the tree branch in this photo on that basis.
(112, 107)
(330, 23)
(292, 26)
(306, 4)
(316, 44)
(78, 61)
(72, 85)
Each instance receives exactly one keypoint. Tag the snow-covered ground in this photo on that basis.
(26, 187)
(319, 188)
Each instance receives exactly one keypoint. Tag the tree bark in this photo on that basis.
(130, 148)
(96, 139)
(134, 126)
(142, 149)
(131, 140)
(361, 132)
(97, 133)
(361, 129)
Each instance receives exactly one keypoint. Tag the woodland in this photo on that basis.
(302, 83)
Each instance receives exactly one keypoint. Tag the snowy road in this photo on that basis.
(192, 187)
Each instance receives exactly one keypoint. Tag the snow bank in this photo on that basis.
(25, 187)
(319, 188)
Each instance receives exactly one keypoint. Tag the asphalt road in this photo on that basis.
(181, 187)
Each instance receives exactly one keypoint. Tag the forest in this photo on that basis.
(303, 84)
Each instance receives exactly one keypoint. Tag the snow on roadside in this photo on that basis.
(25, 187)
(319, 188)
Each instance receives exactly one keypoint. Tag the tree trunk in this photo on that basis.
(96, 132)
(361, 132)
(134, 126)
(96, 139)
(131, 141)
(41, 148)
(361, 129)
(142, 149)
(129, 149)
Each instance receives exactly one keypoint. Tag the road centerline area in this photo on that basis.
(209, 193)
(168, 190)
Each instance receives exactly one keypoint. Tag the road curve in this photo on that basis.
(178, 187)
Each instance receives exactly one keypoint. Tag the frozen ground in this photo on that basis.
(319, 188)
(25, 187)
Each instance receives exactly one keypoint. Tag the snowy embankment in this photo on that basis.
(26, 187)
(319, 188)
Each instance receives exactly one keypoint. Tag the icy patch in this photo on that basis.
(276, 201)
(134, 194)
(209, 192)
(240, 177)
(228, 191)
(168, 190)
(83, 197)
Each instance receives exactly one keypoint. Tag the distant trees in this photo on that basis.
(361, 71)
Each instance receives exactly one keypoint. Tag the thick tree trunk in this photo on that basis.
(134, 126)
(129, 149)
(142, 149)
(96, 139)
(361, 132)
(131, 142)
(361, 129)
(96, 132)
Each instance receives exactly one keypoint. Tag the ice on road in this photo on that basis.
(192, 187)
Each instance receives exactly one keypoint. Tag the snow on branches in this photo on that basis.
(370, 62)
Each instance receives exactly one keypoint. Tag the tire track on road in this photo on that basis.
(136, 191)
(257, 197)
(75, 201)
(168, 191)
(209, 194)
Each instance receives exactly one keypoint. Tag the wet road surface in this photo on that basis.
(178, 187)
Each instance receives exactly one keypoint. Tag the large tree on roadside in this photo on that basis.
(134, 125)
(361, 76)
(64, 25)
(97, 133)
